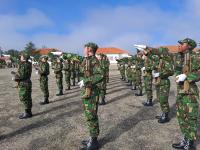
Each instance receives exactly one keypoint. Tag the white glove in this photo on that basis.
(157, 74)
(143, 69)
(81, 84)
(133, 67)
(37, 72)
(13, 78)
(140, 46)
(181, 78)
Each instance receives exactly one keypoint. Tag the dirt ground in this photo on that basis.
(124, 123)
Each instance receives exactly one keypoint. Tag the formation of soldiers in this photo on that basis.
(154, 66)
(91, 74)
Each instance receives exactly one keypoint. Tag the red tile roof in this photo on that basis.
(45, 51)
(111, 50)
(174, 48)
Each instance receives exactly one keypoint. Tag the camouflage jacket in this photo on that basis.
(44, 68)
(58, 68)
(96, 74)
(24, 71)
(67, 66)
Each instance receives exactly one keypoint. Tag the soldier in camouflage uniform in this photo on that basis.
(128, 72)
(147, 74)
(73, 71)
(67, 69)
(43, 71)
(58, 66)
(122, 69)
(91, 76)
(188, 73)
(138, 74)
(23, 78)
(161, 73)
(103, 83)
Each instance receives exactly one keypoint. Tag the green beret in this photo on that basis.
(190, 42)
(92, 45)
(44, 56)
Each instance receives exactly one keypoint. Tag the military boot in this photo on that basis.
(164, 118)
(60, 93)
(139, 93)
(46, 101)
(102, 102)
(92, 144)
(180, 145)
(134, 87)
(26, 114)
(148, 103)
(189, 145)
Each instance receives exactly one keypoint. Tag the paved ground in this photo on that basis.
(124, 123)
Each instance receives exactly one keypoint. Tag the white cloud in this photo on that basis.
(120, 26)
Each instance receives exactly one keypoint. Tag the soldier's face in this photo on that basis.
(88, 51)
(22, 58)
(183, 47)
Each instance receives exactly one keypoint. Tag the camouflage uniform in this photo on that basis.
(148, 79)
(187, 96)
(73, 72)
(23, 77)
(107, 69)
(67, 69)
(103, 83)
(90, 104)
(165, 69)
(44, 72)
(138, 75)
(59, 76)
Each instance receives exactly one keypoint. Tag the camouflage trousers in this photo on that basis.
(59, 82)
(187, 114)
(44, 85)
(25, 90)
(122, 72)
(107, 76)
(67, 79)
(103, 88)
(162, 92)
(138, 80)
(73, 78)
(90, 106)
(148, 86)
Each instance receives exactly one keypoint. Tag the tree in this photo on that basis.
(30, 48)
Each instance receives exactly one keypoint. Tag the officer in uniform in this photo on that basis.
(43, 71)
(91, 76)
(23, 78)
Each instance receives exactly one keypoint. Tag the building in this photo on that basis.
(45, 51)
(113, 53)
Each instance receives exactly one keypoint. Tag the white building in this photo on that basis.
(113, 53)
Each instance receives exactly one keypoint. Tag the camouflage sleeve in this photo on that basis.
(167, 70)
(178, 63)
(194, 75)
(24, 71)
(58, 68)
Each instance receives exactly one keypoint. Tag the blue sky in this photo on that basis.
(67, 24)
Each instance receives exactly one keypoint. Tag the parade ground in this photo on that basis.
(125, 124)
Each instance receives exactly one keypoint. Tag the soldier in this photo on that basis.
(138, 74)
(162, 83)
(122, 69)
(43, 71)
(103, 83)
(128, 72)
(23, 77)
(187, 70)
(67, 69)
(91, 76)
(147, 69)
(73, 71)
(58, 66)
